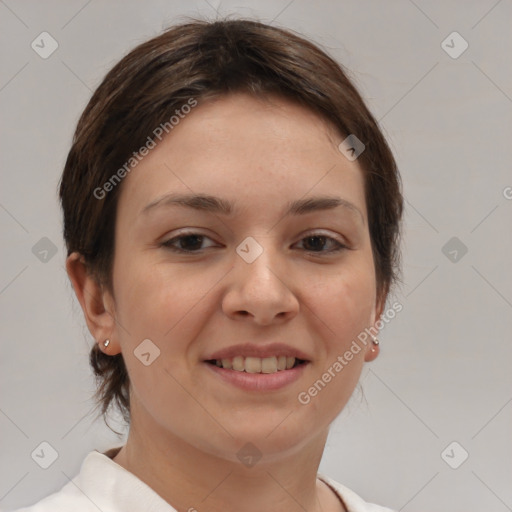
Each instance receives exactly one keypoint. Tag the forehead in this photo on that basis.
(246, 149)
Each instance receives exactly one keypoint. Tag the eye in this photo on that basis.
(192, 243)
(318, 241)
(189, 243)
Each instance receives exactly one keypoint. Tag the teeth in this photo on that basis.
(269, 365)
(225, 363)
(253, 365)
(238, 364)
(257, 364)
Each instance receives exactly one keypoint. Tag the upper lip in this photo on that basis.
(258, 350)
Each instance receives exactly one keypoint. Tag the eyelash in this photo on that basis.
(167, 243)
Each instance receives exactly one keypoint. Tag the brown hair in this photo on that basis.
(201, 59)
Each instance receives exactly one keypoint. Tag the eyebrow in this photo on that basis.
(217, 205)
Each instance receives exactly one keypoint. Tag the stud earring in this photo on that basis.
(375, 342)
(106, 343)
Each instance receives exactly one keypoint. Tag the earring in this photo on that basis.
(375, 342)
(106, 343)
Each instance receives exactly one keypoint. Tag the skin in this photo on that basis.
(186, 424)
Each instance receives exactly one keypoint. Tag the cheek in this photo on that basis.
(343, 309)
(145, 294)
(159, 301)
(344, 302)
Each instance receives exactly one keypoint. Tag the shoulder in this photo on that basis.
(352, 501)
(102, 485)
(68, 498)
(76, 495)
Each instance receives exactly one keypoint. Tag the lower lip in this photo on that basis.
(259, 381)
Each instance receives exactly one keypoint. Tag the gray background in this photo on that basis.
(444, 371)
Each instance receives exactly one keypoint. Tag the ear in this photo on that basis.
(97, 304)
(372, 350)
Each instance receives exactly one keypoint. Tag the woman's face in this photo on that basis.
(258, 275)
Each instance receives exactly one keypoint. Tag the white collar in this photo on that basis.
(104, 485)
(111, 487)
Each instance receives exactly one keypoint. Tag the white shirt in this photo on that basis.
(104, 485)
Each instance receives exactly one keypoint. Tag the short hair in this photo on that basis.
(206, 59)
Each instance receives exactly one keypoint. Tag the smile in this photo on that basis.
(257, 380)
(271, 364)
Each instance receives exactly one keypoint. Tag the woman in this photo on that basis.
(231, 214)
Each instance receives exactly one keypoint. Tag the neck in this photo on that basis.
(190, 479)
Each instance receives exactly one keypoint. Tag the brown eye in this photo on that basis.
(317, 244)
(192, 243)
(188, 243)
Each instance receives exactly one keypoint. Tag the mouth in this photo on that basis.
(258, 367)
(257, 375)
(265, 365)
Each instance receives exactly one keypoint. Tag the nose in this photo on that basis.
(261, 291)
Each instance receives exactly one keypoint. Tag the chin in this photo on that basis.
(279, 437)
